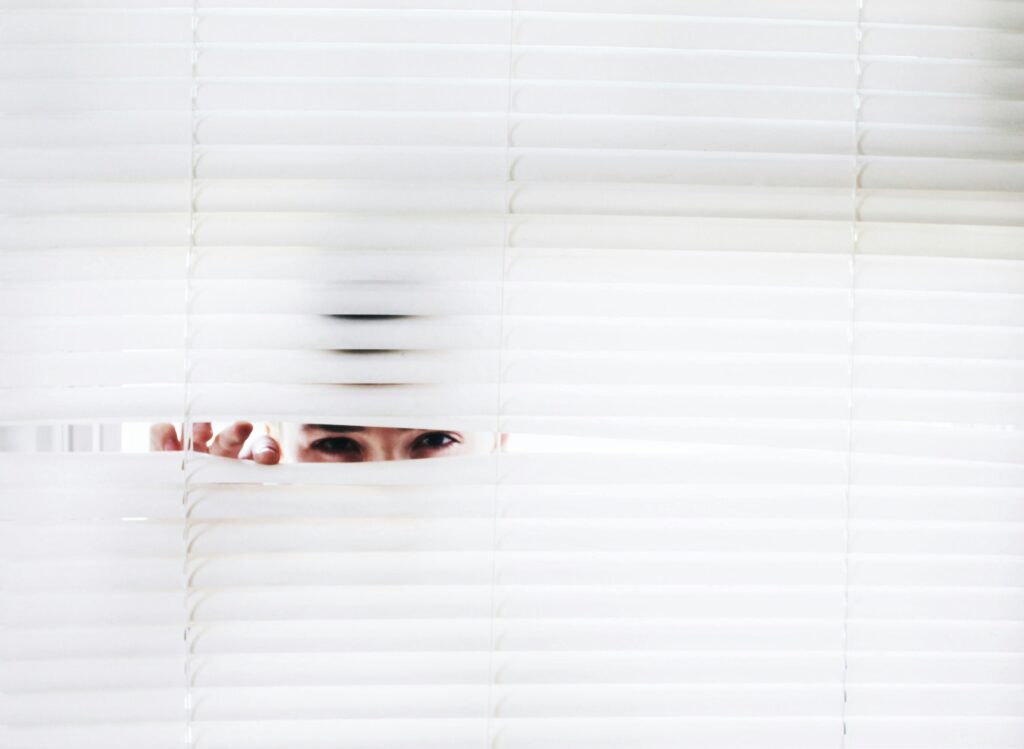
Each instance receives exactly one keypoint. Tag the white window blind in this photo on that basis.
(749, 273)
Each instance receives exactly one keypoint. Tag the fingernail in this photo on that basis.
(169, 444)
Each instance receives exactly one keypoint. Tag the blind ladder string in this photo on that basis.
(506, 213)
(186, 428)
(851, 353)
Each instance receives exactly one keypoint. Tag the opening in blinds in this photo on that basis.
(747, 272)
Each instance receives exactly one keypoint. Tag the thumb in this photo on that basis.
(264, 450)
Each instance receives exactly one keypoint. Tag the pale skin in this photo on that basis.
(327, 443)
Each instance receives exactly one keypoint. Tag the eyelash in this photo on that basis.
(336, 445)
(344, 444)
(420, 442)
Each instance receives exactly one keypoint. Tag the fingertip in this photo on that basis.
(266, 451)
(241, 430)
(163, 437)
(267, 455)
(202, 431)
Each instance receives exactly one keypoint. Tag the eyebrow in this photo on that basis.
(340, 428)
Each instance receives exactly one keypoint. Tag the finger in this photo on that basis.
(230, 441)
(202, 431)
(163, 437)
(263, 450)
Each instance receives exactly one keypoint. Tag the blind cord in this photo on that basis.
(851, 351)
(186, 428)
(506, 211)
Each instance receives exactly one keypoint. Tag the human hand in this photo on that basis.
(231, 443)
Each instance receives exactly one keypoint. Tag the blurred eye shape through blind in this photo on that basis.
(744, 278)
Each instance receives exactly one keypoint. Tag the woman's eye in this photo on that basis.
(434, 441)
(336, 445)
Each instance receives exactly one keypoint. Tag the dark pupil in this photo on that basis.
(434, 439)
